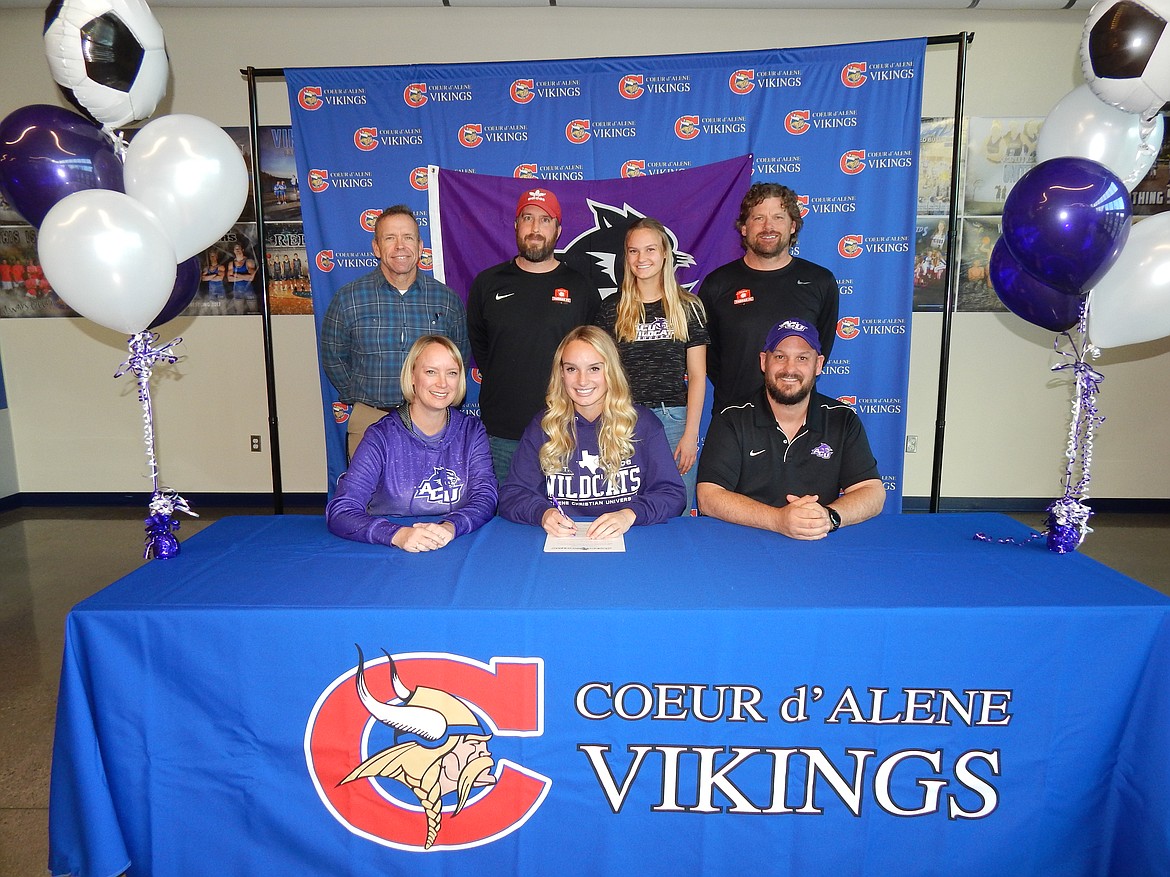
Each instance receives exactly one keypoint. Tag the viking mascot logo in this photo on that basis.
(440, 746)
(431, 781)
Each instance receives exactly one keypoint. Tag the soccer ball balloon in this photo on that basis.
(1125, 54)
(108, 57)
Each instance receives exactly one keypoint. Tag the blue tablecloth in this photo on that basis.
(898, 698)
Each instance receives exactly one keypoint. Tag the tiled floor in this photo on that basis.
(52, 558)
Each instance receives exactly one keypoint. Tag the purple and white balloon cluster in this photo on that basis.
(119, 226)
(1070, 255)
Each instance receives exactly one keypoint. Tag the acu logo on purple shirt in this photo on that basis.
(442, 487)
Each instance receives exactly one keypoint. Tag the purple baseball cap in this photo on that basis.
(788, 328)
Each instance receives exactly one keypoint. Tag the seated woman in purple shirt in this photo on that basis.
(592, 452)
(423, 462)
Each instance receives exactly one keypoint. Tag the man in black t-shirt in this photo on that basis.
(745, 298)
(789, 459)
(517, 314)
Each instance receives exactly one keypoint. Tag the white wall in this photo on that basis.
(7, 456)
(74, 428)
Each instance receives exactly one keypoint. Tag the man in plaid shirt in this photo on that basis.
(371, 323)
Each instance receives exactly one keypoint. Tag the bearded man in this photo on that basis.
(789, 459)
(517, 314)
(770, 283)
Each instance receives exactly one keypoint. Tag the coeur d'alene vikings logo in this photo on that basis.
(408, 765)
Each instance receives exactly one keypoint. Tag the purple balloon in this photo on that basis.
(1027, 297)
(1066, 221)
(186, 285)
(47, 153)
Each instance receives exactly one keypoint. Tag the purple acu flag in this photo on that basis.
(473, 215)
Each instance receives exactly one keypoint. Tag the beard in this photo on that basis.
(470, 776)
(782, 245)
(533, 250)
(783, 395)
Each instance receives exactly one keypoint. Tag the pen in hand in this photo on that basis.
(564, 522)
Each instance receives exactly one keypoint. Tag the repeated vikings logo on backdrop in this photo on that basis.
(526, 172)
(796, 122)
(742, 81)
(318, 180)
(415, 94)
(426, 259)
(522, 90)
(853, 161)
(630, 86)
(369, 220)
(850, 246)
(853, 75)
(598, 252)
(848, 328)
(686, 127)
(309, 98)
(431, 781)
(577, 131)
(324, 261)
(471, 135)
(365, 139)
(635, 167)
(340, 412)
(802, 205)
(420, 179)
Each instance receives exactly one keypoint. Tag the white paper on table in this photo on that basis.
(580, 542)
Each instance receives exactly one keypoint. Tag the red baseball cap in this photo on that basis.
(542, 198)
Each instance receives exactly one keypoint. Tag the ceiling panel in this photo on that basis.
(942, 5)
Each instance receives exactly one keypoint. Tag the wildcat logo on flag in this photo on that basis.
(473, 216)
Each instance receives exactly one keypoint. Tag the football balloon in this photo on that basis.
(1125, 54)
(108, 57)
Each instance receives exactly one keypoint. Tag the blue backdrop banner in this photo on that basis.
(839, 124)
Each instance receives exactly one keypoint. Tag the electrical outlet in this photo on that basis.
(255, 444)
(911, 444)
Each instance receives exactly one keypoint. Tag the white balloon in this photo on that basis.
(108, 258)
(1083, 126)
(1131, 303)
(190, 173)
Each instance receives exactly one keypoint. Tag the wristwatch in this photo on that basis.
(834, 519)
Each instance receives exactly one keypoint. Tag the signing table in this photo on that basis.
(898, 698)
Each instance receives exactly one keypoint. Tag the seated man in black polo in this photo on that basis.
(789, 459)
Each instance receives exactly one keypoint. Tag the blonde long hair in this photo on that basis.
(677, 303)
(615, 433)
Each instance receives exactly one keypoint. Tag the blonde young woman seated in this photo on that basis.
(592, 453)
(421, 475)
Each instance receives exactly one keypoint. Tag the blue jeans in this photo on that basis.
(502, 451)
(674, 421)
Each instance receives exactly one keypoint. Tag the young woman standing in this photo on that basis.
(661, 334)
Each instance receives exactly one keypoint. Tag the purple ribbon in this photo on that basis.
(1068, 517)
(1067, 522)
(145, 353)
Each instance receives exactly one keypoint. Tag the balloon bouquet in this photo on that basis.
(1067, 258)
(120, 226)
